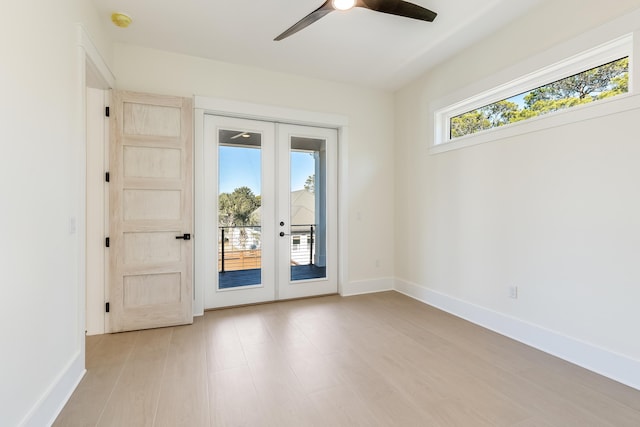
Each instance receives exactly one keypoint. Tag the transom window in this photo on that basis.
(600, 73)
(598, 83)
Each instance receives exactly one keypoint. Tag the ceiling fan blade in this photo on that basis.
(400, 8)
(307, 20)
(238, 135)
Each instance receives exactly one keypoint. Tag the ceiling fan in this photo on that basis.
(393, 7)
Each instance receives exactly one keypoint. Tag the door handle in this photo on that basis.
(185, 236)
(282, 234)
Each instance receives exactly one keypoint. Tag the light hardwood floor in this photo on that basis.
(372, 360)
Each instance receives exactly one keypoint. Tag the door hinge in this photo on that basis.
(106, 176)
(106, 111)
(106, 307)
(107, 242)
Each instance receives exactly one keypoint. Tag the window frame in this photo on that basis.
(604, 53)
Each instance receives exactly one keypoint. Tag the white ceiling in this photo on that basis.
(358, 46)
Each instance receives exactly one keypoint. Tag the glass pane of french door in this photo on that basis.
(307, 208)
(239, 225)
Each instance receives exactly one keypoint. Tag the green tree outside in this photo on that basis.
(597, 83)
(235, 209)
(310, 183)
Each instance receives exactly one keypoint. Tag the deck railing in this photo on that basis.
(302, 243)
(240, 247)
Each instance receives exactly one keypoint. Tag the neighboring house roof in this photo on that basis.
(303, 205)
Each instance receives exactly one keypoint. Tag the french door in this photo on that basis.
(270, 211)
(306, 211)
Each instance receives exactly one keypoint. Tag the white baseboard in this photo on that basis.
(367, 286)
(48, 407)
(604, 362)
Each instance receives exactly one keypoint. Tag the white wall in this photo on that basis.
(554, 212)
(370, 114)
(40, 320)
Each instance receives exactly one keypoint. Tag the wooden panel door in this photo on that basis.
(151, 218)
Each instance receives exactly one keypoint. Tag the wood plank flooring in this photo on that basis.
(372, 360)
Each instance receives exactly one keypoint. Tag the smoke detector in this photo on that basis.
(121, 20)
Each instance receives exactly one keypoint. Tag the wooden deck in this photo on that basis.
(249, 277)
(241, 260)
(235, 260)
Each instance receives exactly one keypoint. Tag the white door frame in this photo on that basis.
(97, 208)
(223, 107)
(92, 71)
